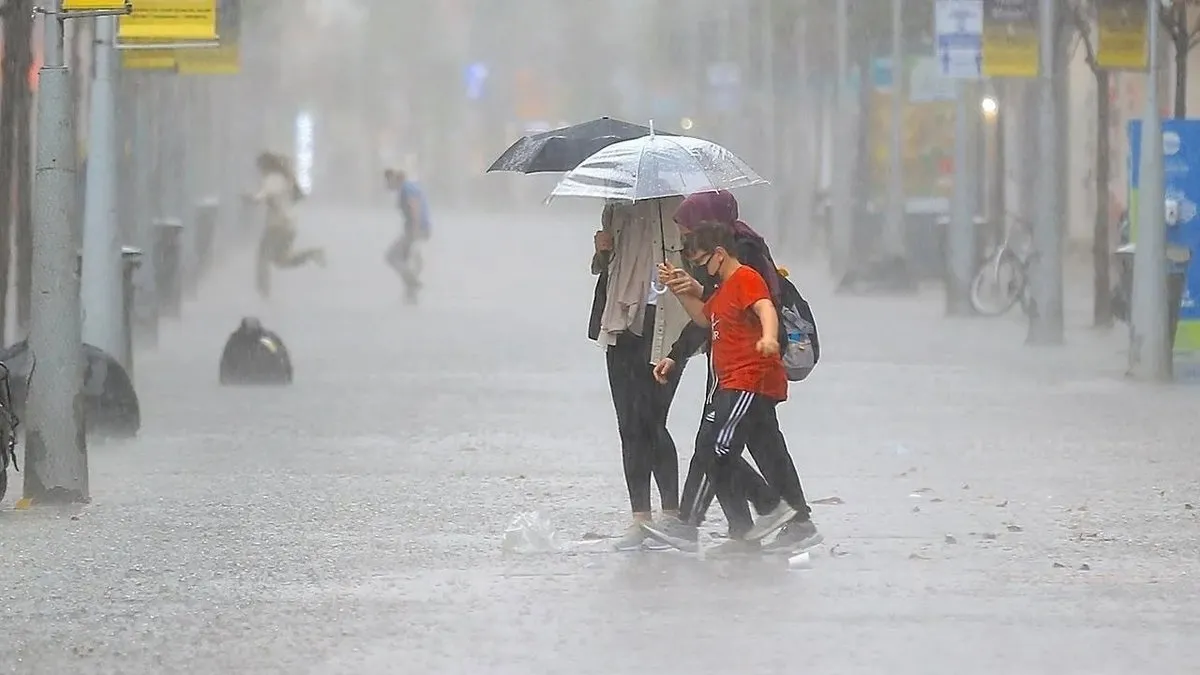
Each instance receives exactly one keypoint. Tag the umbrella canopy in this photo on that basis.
(656, 166)
(560, 150)
(110, 403)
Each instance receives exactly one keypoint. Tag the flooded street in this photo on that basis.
(999, 509)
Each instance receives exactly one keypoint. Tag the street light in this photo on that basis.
(989, 106)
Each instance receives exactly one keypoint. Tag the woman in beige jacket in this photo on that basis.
(636, 323)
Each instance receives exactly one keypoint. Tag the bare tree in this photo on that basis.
(1083, 14)
(1184, 34)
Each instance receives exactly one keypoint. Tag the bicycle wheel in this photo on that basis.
(998, 285)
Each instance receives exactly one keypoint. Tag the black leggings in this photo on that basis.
(642, 405)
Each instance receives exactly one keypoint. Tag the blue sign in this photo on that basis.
(475, 78)
(882, 75)
(1181, 180)
(958, 28)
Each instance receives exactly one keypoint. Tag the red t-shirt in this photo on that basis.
(736, 331)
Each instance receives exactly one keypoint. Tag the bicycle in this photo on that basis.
(1003, 279)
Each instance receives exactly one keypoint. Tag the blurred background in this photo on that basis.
(441, 88)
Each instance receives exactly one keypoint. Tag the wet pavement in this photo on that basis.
(1004, 509)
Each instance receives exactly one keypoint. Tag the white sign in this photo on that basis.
(958, 30)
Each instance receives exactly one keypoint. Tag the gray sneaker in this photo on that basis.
(796, 537)
(673, 531)
(769, 523)
(631, 539)
(652, 544)
(735, 547)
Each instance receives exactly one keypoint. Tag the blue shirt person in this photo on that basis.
(410, 199)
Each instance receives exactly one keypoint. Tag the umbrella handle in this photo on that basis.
(658, 288)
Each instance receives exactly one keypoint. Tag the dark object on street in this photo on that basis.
(111, 408)
(560, 150)
(254, 355)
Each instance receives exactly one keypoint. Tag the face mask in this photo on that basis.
(699, 272)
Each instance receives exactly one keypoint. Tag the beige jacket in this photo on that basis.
(641, 232)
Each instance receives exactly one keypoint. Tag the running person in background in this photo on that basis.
(404, 255)
(278, 192)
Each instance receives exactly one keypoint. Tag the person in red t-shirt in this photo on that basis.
(749, 371)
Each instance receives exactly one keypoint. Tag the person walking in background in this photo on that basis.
(630, 316)
(278, 193)
(404, 255)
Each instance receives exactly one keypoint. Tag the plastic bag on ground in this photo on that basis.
(531, 532)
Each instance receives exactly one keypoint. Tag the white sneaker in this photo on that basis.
(632, 539)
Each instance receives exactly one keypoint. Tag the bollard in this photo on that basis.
(168, 277)
(205, 231)
(131, 260)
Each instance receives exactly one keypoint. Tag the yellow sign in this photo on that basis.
(170, 21)
(148, 59)
(1010, 38)
(1121, 40)
(222, 60)
(93, 5)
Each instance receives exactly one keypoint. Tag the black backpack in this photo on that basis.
(803, 348)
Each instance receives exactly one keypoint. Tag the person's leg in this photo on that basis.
(690, 500)
(394, 256)
(753, 486)
(730, 412)
(664, 457)
(771, 453)
(635, 453)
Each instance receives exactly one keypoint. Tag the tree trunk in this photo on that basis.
(9, 92)
(1102, 314)
(22, 15)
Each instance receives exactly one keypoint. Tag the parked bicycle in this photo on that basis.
(1003, 279)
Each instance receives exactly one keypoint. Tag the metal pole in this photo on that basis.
(840, 156)
(960, 236)
(101, 284)
(1149, 344)
(893, 230)
(770, 133)
(1046, 312)
(55, 450)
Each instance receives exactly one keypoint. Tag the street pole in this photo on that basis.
(770, 132)
(101, 283)
(893, 231)
(1046, 312)
(840, 155)
(55, 448)
(1149, 344)
(960, 238)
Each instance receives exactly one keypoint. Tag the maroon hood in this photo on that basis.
(720, 206)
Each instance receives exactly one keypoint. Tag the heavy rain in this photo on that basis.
(599, 336)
